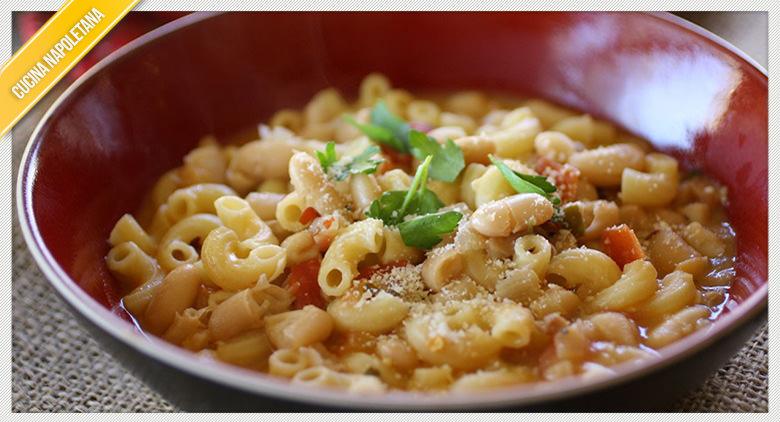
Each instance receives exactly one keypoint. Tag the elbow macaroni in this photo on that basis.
(255, 255)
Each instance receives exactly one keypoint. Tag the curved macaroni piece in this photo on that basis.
(264, 203)
(288, 119)
(492, 185)
(656, 188)
(236, 214)
(257, 161)
(127, 229)
(300, 247)
(289, 211)
(363, 189)
(587, 270)
(373, 87)
(312, 184)
(580, 128)
(395, 250)
(676, 291)
(195, 199)
(205, 164)
(131, 265)
(378, 314)
(457, 120)
(471, 103)
(340, 264)
(598, 216)
(636, 285)
(443, 133)
(513, 326)
(604, 166)
(423, 111)
(678, 326)
(175, 246)
(457, 335)
(476, 149)
(513, 214)
(555, 146)
(472, 172)
(303, 327)
(325, 106)
(489, 380)
(517, 133)
(288, 362)
(441, 266)
(549, 114)
(232, 267)
(533, 251)
(249, 350)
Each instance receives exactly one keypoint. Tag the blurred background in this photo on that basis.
(57, 366)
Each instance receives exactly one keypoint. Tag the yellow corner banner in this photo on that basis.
(60, 43)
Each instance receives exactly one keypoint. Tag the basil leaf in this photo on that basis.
(361, 163)
(394, 206)
(383, 117)
(387, 207)
(540, 181)
(526, 183)
(426, 202)
(426, 231)
(378, 134)
(447, 159)
(328, 158)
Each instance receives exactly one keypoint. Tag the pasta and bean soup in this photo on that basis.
(459, 242)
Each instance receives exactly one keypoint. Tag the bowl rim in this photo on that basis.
(269, 386)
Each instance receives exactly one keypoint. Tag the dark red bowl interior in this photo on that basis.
(138, 113)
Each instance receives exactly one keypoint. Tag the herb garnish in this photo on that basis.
(425, 230)
(527, 183)
(341, 169)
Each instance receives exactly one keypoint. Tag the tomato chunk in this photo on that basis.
(565, 176)
(308, 215)
(622, 245)
(303, 284)
(394, 159)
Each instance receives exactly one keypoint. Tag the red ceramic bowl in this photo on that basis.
(135, 114)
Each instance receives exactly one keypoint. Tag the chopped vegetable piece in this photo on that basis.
(308, 215)
(303, 284)
(622, 245)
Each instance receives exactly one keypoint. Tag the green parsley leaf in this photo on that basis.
(328, 158)
(447, 159)
(385, 128)
(361, 163)
(526, 183)
(425, 232)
